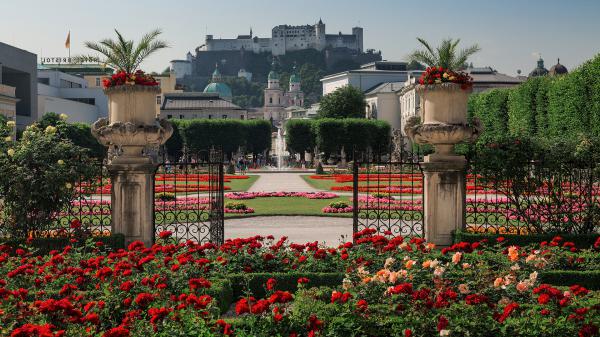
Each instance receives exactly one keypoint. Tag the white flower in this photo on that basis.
(388, 262)
(434, 263)
(64, 117)
(533, 276)
(68, 185)
(444, 332)
(10, 152)
(439, 271)
(61, 162)
(515, 267)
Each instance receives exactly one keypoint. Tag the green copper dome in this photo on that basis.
(294, 78)
(220, 88)
(273, 75)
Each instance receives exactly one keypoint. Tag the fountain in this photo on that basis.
(279, 148)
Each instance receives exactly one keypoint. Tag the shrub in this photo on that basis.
(344, 102)
(38, 175)
(236, 206)
(299, 135)
(165, 196)
(338, 204)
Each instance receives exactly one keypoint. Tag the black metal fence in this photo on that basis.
(388, 193)
(189, 200)
(536, 199)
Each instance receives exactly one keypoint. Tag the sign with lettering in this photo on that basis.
(55, 60)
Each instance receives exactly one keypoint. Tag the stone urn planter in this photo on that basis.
(132, 131)
(443, 121)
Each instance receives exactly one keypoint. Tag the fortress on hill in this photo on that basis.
(285, 38)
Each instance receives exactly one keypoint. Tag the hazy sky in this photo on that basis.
(510, 32)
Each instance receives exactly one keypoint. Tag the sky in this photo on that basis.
(511, 33)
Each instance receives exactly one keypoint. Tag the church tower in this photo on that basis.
(295, 96)
(273, 107)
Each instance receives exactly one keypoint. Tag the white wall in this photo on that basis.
(77, 112)
(362, 80)
(387, 107)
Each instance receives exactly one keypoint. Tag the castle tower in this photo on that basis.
(320, 41)
(358, 32)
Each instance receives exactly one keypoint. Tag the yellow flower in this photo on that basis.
(11, 124)
(452, 78)
(10, 152)
(445, 75)
(61, 162)
(68, 186)
(64, 117)
(50, 130)
(7, 138)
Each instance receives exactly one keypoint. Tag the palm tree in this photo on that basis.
(445, 55)
(123, 55)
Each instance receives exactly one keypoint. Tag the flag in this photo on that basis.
(68, 42)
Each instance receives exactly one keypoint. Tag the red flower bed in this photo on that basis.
(123, 78)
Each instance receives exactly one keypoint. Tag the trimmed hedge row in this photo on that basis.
(42, 246)
(330, 135)
(580, 240)
(561, 106)
(222, 292)
(587, 278)
(199, 135)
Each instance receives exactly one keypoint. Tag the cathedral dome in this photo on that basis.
(273, 75)
(219, 88)
(539, 70)
(558, 69)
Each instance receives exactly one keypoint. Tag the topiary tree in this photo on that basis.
(174, 145)
(300, 136)
(344, 102)
(257, 136)
(38, 174)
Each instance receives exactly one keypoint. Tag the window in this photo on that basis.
(158, 99)
(271, 100)
(45, 81)
(180, 116)
(242, 117)
(209, 116)
(97, 81)
(224, 116)
(169, 116)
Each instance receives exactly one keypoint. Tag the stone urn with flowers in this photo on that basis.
(132, 132)
(443, 122)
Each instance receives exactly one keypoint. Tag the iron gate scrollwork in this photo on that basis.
(388, 193)
(188, 197)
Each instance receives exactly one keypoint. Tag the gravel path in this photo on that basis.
(276, 182)
(298, 229)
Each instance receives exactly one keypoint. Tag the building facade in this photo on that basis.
(69, 94)
(18, 77)
(194, 105)
(286, 38)
(369, 76)
(382, 103)
(277, 99)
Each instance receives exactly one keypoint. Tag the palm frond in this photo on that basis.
(444, 55)
(423, 57)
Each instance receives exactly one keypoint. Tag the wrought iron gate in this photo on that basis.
(188, 198)
(388, 193)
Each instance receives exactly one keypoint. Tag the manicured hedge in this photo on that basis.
(222, 291)
(42, 246)
(201, 135)
(580, 240)
(563, 106)
(330, 135)
(255, 282)
(587, 278)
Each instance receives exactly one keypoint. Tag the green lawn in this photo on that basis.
(241, 185)
(289, 206)
(323, 184)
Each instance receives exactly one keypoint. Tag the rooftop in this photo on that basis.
(78, 69)
(385, 87)
(490, 75)
(196, 101)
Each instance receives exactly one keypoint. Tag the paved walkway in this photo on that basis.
(276, 182)
(298, 229)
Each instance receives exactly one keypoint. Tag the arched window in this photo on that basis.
(271, 100)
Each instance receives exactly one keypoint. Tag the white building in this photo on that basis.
(205, 105)
(63, 93)
(409, 102)
(382, 103)
(286, 38)
(368, 76)
(181, 68)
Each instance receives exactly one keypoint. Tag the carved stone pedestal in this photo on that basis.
(444, 199)
(133, 200)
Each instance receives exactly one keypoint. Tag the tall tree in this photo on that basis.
(344, 102)
(121, 54)
(445, 55)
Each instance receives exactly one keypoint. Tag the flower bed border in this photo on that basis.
(580, 240)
